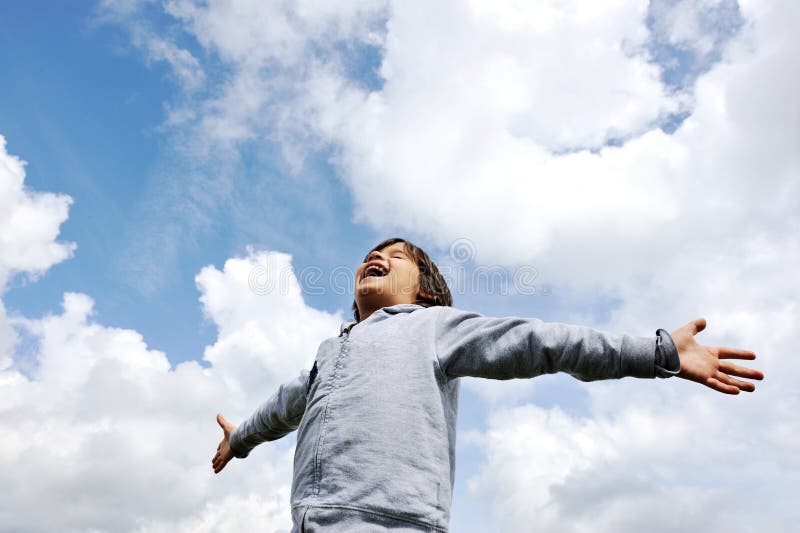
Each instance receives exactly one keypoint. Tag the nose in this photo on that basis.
(374, 255)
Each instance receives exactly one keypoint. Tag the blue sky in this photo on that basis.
(86, 112)
(192, 137)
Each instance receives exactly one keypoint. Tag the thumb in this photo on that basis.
(697, 325)
(222, 422)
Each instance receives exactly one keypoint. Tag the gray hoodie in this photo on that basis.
(376, 415)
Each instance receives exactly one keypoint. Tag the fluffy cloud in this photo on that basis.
(667, 456)
(664, 455)
(450, 128)
(266, 331)
(648, 467)
(29, 224)
(549, 118)
(749, 300)
(106, 434)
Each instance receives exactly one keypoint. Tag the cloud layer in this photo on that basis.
(106, 434)
(548, 134)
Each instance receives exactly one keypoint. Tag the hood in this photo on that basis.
(389, 310)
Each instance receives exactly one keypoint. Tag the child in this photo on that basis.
(376, 414)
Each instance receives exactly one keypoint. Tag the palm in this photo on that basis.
(706, 364)
(224, 453)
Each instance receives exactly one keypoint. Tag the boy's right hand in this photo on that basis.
(705, 365)
(224, 452)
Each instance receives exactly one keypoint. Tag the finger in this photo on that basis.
(721, 387)
(740, 371)
(697, 325)
(741, 385)
(221, 421)
(724, 352)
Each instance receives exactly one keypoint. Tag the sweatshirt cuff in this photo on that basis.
(236, 446)
(668, 362)
(638, 356)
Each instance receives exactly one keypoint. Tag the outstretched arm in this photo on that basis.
(276, 417)
(703, 363)
(470, 344)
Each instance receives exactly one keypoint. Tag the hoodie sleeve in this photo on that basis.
(469, 344)
(275, 418)
(668, 362)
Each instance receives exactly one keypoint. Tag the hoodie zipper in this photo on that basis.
(343, 348)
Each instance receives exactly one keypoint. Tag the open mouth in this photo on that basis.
(374, 270)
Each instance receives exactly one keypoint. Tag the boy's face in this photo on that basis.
(395, 281)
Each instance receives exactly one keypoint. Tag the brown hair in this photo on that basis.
(431, 280)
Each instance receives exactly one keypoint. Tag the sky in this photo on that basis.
(187, 188)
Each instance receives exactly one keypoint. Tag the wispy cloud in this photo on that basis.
(236, 65)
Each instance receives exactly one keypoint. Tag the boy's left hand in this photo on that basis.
(703, 363)
(224, 453)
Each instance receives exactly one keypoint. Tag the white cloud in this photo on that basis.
(235, 63)
(669, 449)
(688, 456)
(102, 418)
(252, 33)
(646, 467)
(699, 223)
(266, 49)
(29, 223)
(624, 209)
(266, 331)
(476, 130)
(477, 96)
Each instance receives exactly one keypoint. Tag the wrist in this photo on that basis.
(234, 443)
(668, 361)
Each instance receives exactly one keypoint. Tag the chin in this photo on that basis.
(371, 290)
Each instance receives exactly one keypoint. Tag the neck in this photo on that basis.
(365, 309)
(364, 314)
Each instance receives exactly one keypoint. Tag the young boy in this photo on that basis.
(376, 414)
